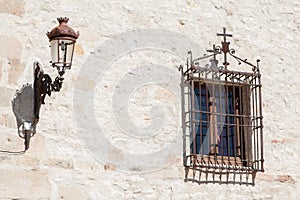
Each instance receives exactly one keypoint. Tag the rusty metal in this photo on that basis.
(43, 86)
(222, 116)
(62, 30)
(225, 46)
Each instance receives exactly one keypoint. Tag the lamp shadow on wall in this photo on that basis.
(23, 108)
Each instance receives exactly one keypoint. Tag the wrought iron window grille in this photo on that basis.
(222, 118)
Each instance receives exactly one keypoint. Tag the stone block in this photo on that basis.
(69, 192)
(79, 49)
(15, 7)
(18, 183)
(285, 179)
(11, 65)
(56, 162)
(6, 96)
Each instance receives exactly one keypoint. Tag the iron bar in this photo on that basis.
(224, 115)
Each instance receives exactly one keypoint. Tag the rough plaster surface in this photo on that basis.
(60, 164)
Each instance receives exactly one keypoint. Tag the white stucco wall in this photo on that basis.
(136, 46)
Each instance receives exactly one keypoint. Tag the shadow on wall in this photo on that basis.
(22, 106)
(204, 175)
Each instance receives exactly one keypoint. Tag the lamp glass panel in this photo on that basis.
(54, 51)
(69, 44)
(62, 52)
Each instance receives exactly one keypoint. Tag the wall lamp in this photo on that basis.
(62, 42)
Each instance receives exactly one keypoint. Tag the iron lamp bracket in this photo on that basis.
(43, 86)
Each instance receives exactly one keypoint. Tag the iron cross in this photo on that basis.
(225, 46)
(224, 34)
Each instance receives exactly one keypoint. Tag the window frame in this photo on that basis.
(242, 155)
(253, 161)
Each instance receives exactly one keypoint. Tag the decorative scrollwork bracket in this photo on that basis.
(193, 64)
(42, 87)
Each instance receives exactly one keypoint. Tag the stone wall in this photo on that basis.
(100, 146)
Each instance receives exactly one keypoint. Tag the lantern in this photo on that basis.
(62, 41)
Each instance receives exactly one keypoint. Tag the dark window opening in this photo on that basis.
(220, 122)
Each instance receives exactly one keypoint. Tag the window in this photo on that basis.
(222, 115)
(221, 123)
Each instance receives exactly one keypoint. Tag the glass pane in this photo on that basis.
(54, 51)
(66, 50)
(202, 121)
(61, 52)
(224, 117)
(70, 49)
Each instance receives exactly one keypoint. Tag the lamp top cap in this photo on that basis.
(63, 30)
(62, 20)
